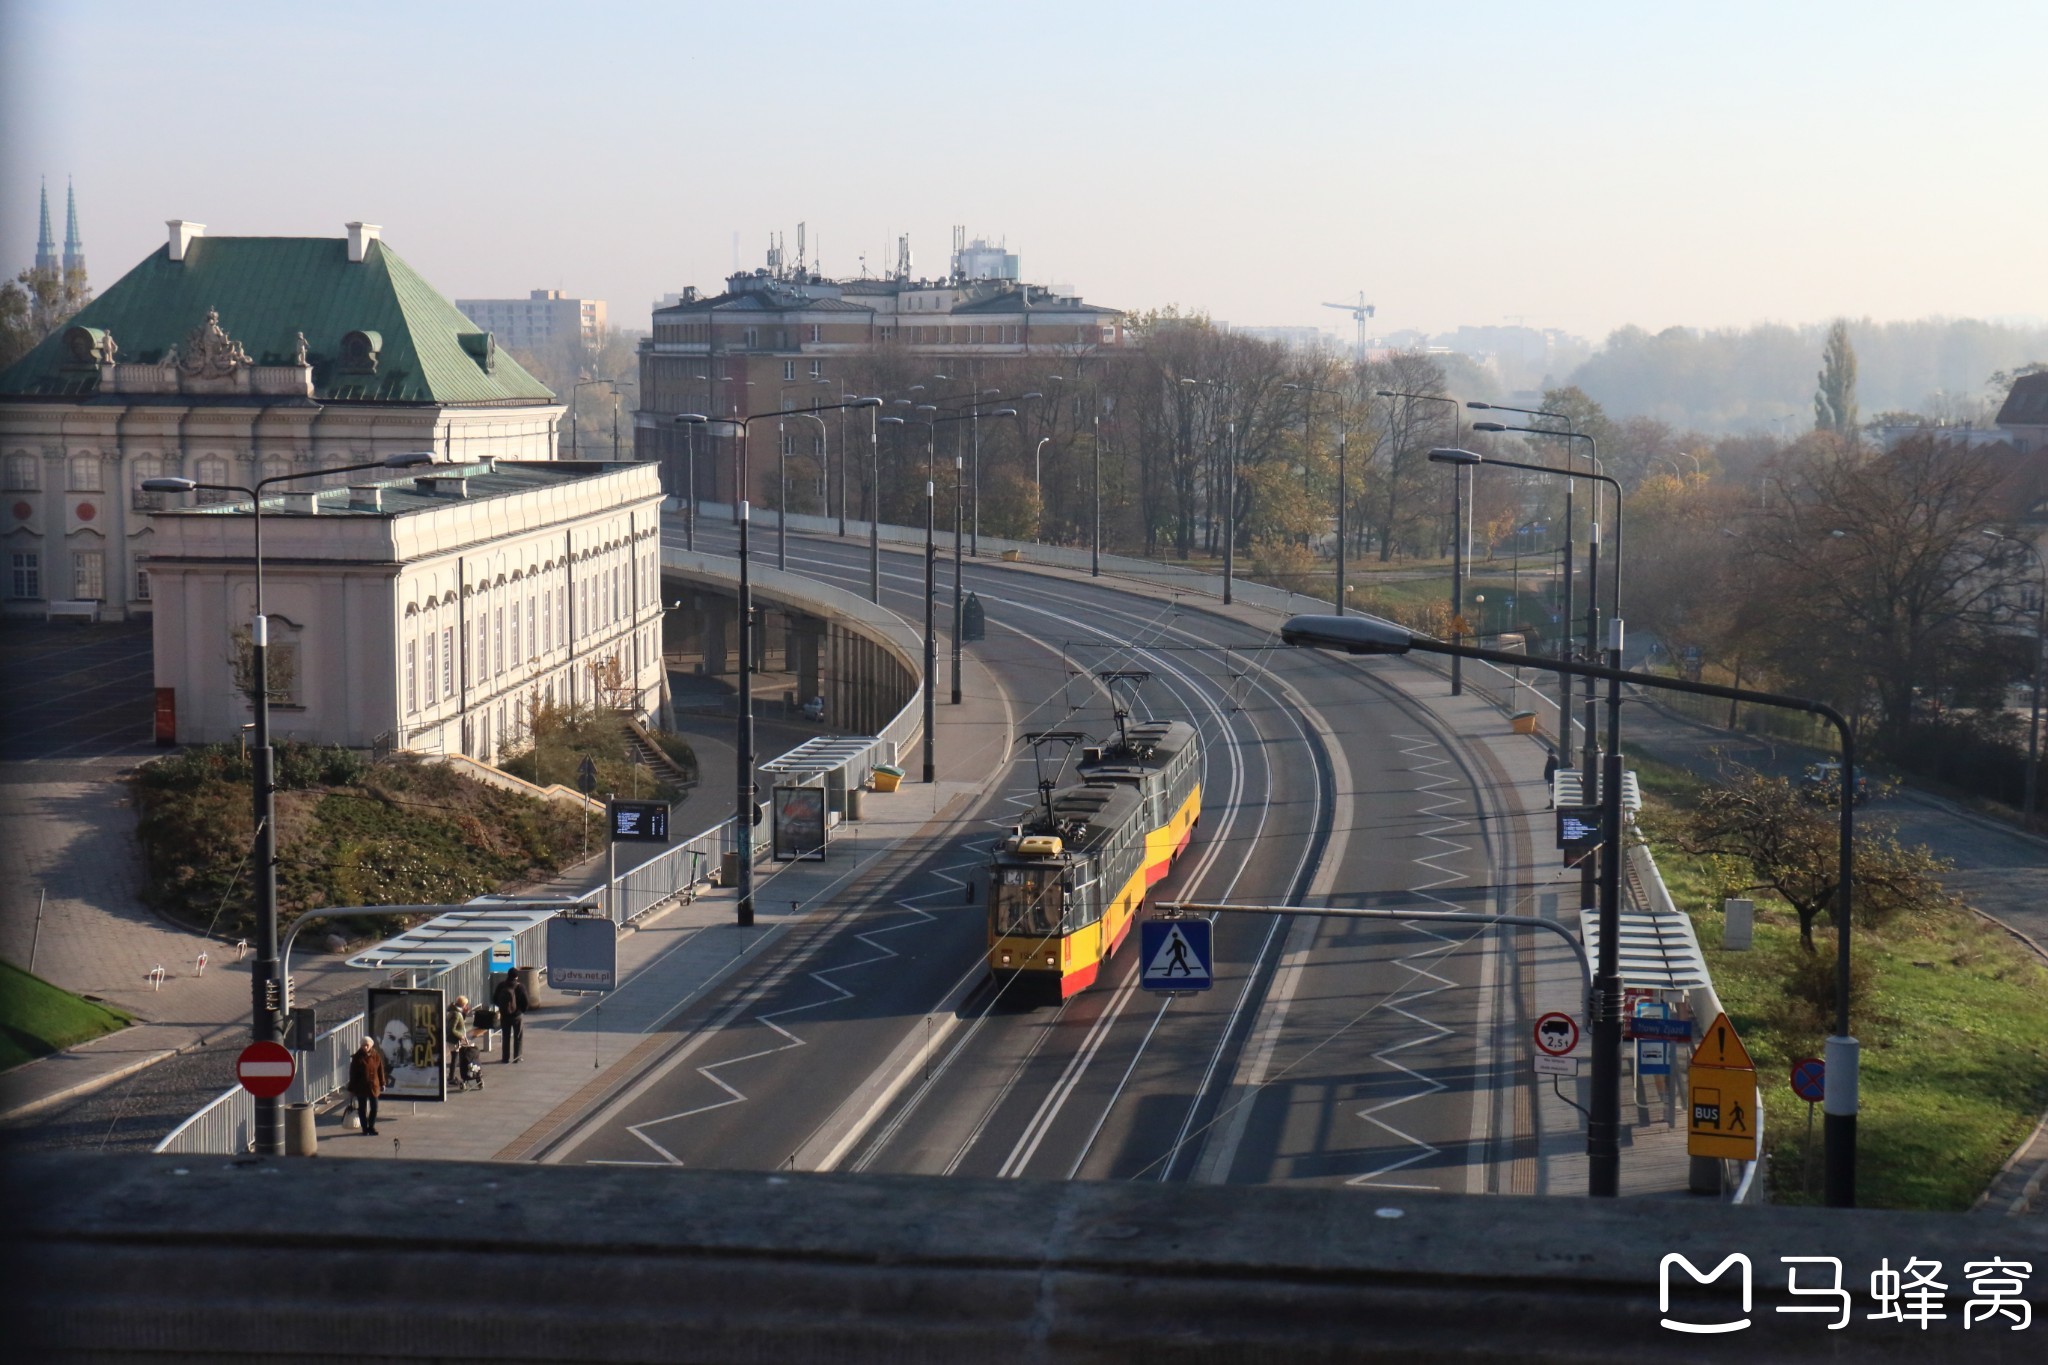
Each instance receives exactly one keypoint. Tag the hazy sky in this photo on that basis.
(1576, 165)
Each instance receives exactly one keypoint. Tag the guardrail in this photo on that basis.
(227, 1124)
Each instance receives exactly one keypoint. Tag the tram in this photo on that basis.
(1065, 885)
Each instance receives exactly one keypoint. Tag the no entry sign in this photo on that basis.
(265, 1070)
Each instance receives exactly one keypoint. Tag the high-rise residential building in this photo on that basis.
(227, 360)
(536, 320)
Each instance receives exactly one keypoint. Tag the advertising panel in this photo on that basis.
(583, 953)
(406, 1022)
(799, 823)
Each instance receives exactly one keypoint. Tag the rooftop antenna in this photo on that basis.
(799, 248)
(903, 257)
(1132, 678)
(1039, 740)
(1359, 311)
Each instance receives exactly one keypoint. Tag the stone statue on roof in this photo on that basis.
(210, 353)
(299, 351)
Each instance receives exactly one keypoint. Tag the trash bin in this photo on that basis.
(887, 777)
(529, 977)
(853, 804)
(300, 1137)
(1012, 556)
(729, 868)
(1524, 722)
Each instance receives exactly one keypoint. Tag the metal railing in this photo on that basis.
(226, 1125)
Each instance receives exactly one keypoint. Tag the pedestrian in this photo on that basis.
(512, 1002)
(366, 1079)
(457, 1033)
(1550, 780)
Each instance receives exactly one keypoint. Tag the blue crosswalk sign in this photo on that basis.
(1173, 955)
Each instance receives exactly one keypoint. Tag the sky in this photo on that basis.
(1571, 165)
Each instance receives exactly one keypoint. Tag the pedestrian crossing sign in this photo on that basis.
(1174, 954)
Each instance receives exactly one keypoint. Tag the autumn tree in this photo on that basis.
(36, 303)
(1883, 584)
(1788, 844)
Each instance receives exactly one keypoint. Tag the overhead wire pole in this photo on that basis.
(1369, 635)
(269, 990)
(1457, 669)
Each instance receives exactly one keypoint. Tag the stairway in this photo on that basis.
(650, 756)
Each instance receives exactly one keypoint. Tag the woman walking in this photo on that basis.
(366, 1078)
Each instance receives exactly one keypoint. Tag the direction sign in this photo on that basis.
(265, 1070)
(1175, 954)
(1722, 1114)
(1721, 1048)
(1644, 1027)
(1557, 1034)
(1810, 1079)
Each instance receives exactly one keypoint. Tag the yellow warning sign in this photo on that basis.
(1723, 1114)
(1722, 1048)
(1458, 626)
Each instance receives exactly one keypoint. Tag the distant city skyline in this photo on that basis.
(1582, 169)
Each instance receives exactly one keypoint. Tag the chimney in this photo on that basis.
(182, 235)
(360, 235)
(304, 504)
(365, 497)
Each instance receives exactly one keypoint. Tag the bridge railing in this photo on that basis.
(227, 1124)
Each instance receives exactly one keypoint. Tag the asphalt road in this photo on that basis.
(1328, 1052)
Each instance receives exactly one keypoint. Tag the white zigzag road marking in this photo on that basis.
(1428, 1085)
(882, 953)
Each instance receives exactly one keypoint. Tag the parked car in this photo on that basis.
(1822, 782)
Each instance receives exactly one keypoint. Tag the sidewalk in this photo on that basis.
(579, 1048)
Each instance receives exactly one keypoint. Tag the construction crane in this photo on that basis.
(1359, 311)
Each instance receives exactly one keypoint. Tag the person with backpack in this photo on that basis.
(1550, 780)
(512, 1002)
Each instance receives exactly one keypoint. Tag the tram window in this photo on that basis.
(1026, 903)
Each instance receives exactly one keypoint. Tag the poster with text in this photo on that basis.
(406, 1023)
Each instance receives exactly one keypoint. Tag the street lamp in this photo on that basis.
(690, 502)
(873, 405)
(1038, 486)
(782, 475)
(1456, 459)
(1307, 435)
(1369, 635)
(1564, 604)
(575, 424)
(931, 652)
(268, 994)
(2040, 651)
(1229, 492)
(1457, 482)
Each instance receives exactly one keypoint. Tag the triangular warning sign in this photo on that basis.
(1720, 1046)
(1176, 960)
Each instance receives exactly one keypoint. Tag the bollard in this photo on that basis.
(300, 1136)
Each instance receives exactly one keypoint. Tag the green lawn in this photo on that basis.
(1955, 1043)
(37, 1019)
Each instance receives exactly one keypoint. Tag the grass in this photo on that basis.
(37, 1019)
(1955, 1043)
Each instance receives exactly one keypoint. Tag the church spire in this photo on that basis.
(74, 250)
(46, 243)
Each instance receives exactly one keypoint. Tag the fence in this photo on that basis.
(227, 1125)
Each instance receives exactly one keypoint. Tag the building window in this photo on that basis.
(532, 640)
(815, 336)
(562, 607)
(751, 338)
(143, 468)
(412, 677)
(89, 575)
(499, 652)
(817, 369)
(27, 577)
(213, 470)
(515, 632)
(142, 585)
(788, 370)
(479, 665)
(547, 622)
(430, 663)
(85, 473)
(21, 474)
(448, 662)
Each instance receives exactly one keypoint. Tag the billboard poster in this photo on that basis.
(583, 953)
(406, 1022)
(799, 823)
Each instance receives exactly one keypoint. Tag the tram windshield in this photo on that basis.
(1027, 900)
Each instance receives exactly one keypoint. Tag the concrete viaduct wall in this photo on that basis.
(864, 660)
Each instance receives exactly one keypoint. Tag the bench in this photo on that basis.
(80, 611)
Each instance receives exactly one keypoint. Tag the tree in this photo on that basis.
(1834, 402)
(36, 303)
(1882, 582)
(1789, 844)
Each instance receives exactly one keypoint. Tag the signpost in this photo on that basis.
(1723, 1096)
(1557, 1036)
(1809, 1083)
(1175, 954)
(583, 953)
(265, 1070)
(1653, 1047)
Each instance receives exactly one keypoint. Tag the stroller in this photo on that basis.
(468, 1069)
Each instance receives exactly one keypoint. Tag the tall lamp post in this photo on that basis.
(1229, 491)
(1368, 635)
(931, 587)
(268, 994)
(2040, 654)
(575, 425)
(690, 501)
(1564, 604)
(873, 405)
(959, 608)
(1592, 567)
(782, 516)
(1307, 435)
(1038, 487)
(1457, 665)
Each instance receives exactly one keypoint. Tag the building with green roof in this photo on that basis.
(232, 359)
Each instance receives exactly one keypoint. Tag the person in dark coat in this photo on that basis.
(366, 1080)
(512, 1002)
(1549, 780)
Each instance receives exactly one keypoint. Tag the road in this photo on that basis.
(1329, 1052)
